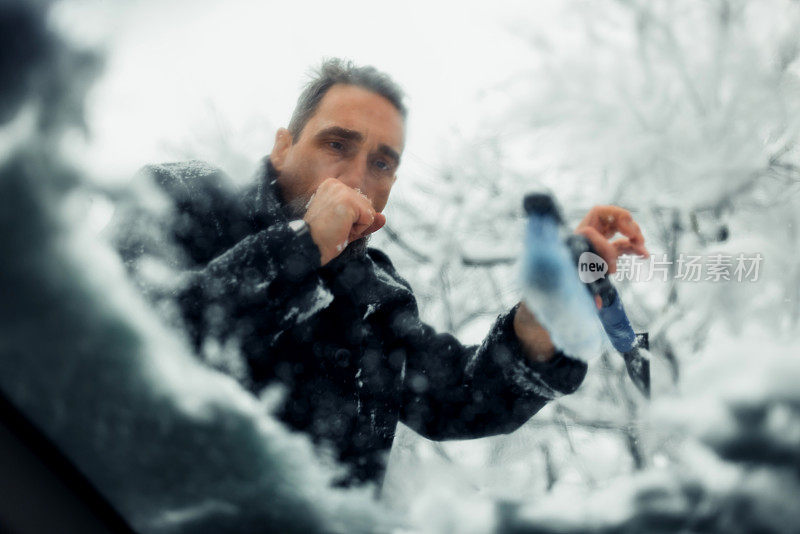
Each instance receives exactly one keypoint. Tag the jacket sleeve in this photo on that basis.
(257, 289)
(451, 391)
(224, 284)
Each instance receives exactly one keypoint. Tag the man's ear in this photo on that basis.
(283, 142)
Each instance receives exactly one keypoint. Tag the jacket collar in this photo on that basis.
(262, 198)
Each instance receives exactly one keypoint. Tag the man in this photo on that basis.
(280, 274)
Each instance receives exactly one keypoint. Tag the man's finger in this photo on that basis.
(605, 219)
(629, 228)
(377, 224)
(364, 213)
(623, 245)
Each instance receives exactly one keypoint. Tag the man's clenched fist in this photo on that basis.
(338, 215)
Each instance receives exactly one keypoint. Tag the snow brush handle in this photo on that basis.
(615, 321)
(612, 314)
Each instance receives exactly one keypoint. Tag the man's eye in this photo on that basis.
(383, 165)
(336, 145)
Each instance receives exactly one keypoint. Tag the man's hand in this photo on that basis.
(532, 336)
(599, 226)
(338, 215)
(604, 222)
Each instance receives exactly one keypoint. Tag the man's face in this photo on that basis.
(356, 136)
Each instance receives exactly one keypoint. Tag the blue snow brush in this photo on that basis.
(547, 274)
(550, 288)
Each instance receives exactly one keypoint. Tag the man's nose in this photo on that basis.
(355, 174)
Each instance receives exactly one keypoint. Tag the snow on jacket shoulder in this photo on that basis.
(345, 339)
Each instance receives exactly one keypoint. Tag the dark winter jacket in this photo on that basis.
(345, 340)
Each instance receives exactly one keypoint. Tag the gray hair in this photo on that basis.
(333, 71)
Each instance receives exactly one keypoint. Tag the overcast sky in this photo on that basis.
(179, 70)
